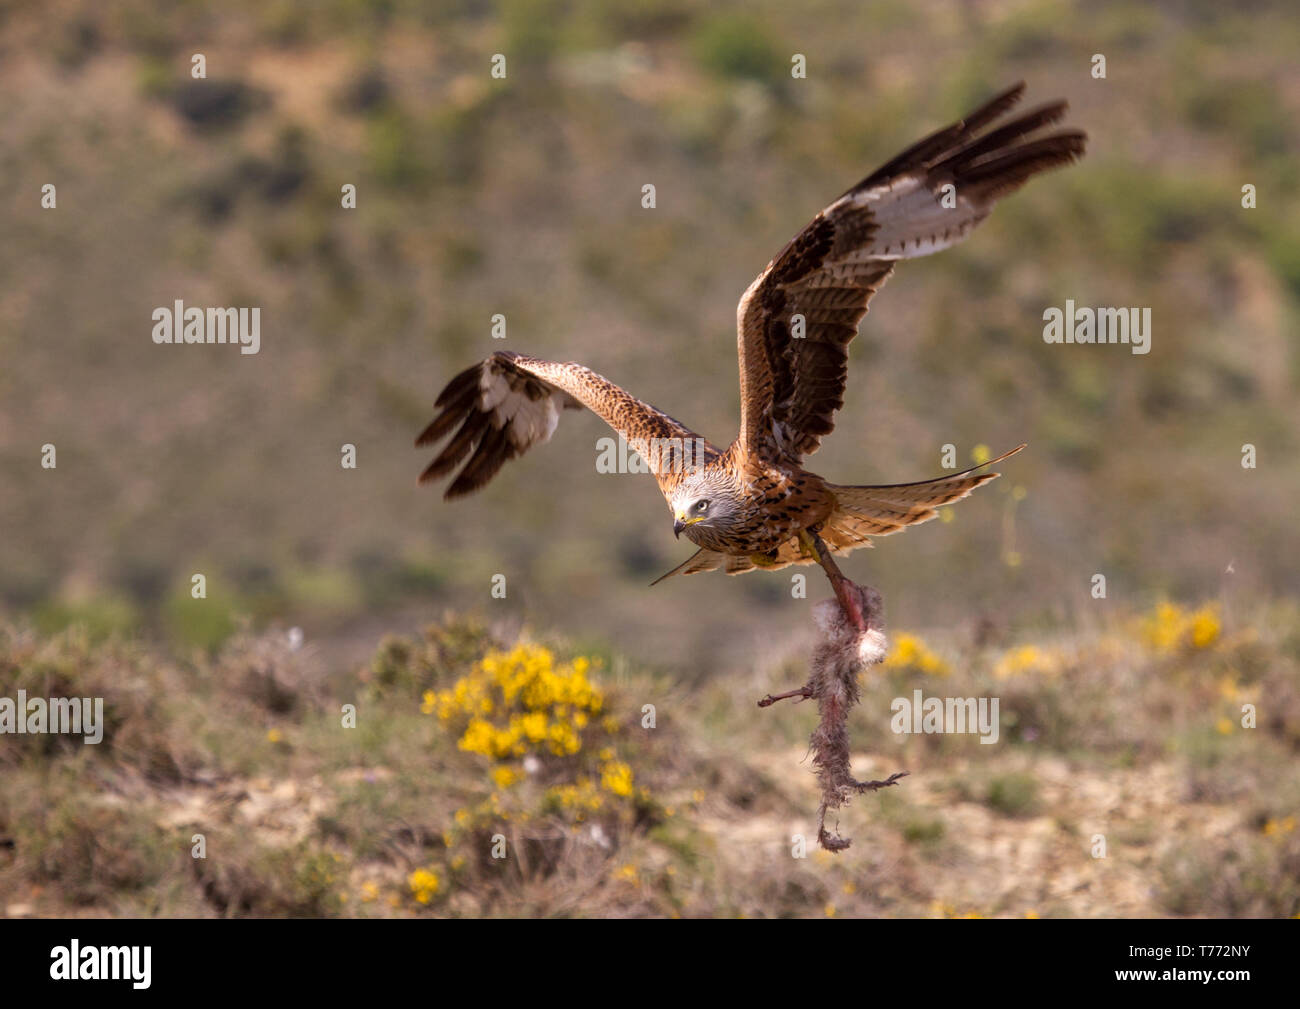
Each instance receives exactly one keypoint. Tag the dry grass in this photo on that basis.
(1130, 732)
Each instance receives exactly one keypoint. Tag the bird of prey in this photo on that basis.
(753, 504)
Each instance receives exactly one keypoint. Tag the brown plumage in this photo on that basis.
(753, 505)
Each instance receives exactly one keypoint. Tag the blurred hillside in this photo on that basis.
(522, 196)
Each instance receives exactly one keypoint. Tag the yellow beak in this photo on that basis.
(680, 522)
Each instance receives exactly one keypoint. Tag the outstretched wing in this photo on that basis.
(791, 385)
(502, 407)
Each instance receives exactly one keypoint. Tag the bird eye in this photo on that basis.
(702, 506)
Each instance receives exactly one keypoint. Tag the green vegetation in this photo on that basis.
(465, 744)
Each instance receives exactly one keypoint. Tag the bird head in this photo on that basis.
(706, 500)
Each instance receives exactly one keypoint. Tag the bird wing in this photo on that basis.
(791, 385)
(509, 403)
(734, 564)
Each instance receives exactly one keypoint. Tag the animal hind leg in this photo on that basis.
(845, 592)
(848, 600)
(801, 694)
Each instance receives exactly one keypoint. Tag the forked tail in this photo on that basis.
(863, 512)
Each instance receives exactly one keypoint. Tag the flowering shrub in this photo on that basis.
(1027, 659)
(1171, 628)
(543, 728)
(911, 654)
(519, 702)
(424, 885)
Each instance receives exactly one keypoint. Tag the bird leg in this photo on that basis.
(841, 585)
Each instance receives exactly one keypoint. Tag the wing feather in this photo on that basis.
(509, 403)
(792, 383)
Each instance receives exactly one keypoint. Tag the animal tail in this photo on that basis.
(863, 512)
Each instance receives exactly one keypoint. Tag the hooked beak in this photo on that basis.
(680, 522)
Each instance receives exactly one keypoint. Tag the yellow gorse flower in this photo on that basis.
(579, 797)
(911, 653)
(627, 873)
(1027, 659)
(616, 777)
(1205, 627)
(424, 885)
(1171, 628)
(515, 705)
(545, 705)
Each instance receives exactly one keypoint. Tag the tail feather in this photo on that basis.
(863, 512)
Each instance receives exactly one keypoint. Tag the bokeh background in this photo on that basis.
(522, 196)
